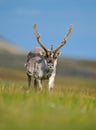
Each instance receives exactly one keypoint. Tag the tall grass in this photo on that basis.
(71, 106)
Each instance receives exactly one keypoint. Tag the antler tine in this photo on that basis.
(65, 38)
(38, 37)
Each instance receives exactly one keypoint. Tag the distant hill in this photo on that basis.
(15, 57)
(76, 67)
(6, 46)
(11, 55)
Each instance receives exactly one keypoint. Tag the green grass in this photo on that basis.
(71, 106)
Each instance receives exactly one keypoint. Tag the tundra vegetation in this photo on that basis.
(72, 104)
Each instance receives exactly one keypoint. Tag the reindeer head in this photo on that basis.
(51, 55)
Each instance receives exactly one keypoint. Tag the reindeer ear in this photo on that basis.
(58, 54)
(42, 53)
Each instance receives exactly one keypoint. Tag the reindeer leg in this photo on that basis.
(51, 82)
(29, 81)
(37, 84)
(40, 84)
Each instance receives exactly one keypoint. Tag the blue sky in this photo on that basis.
(53, 18)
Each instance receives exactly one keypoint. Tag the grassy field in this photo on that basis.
(71, 106)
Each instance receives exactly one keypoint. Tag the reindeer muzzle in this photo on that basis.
(50, 66)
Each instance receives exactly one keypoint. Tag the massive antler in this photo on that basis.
(38, 38)
(65, 38)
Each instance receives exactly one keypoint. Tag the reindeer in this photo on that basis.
(41, 62)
